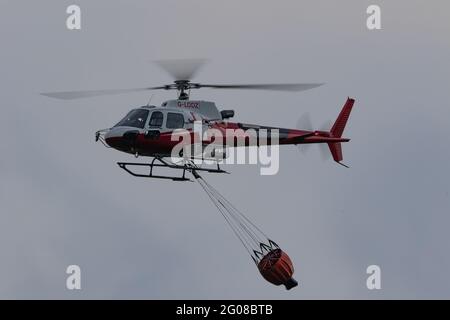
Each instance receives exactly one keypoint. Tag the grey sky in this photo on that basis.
(63, 200)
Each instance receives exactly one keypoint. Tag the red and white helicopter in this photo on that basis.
(154, 132)
(148, 130)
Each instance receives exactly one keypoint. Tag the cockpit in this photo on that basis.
(159, 119)
(135, 118)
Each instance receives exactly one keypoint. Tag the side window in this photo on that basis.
(156, 119)
(174, 120)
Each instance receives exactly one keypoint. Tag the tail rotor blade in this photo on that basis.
(304, 148)
(325, 154)
(324, 151)
(304, 122)
(326, 126)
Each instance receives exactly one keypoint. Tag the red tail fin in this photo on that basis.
(336, 151)
(341, 121)
(338, 129)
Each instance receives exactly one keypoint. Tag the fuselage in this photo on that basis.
(155, 131)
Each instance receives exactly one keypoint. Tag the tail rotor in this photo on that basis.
(331, 133)
(305, 123)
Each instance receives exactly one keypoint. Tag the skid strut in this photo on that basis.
(190, 167)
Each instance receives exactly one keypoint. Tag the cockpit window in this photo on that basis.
(135, 118)
(156, 119)
(174, 120)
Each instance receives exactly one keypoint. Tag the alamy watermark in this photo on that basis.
(374, 279)
(73, 281)
(73, 21)
(228, 146)
(373, 21)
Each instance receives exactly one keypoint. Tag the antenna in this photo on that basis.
(149, 100)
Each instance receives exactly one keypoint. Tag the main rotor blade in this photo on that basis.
(265, 86)
(71, 95)
(181, 69)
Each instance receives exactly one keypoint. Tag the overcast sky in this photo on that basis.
(63, 200)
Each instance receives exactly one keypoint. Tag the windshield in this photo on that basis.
(135, 118)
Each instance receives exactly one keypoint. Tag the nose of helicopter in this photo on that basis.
(121, 138)
(112, 137)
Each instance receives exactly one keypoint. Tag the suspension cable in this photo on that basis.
(235, 231)
(239, 212)
(246, 231)
(251, 233)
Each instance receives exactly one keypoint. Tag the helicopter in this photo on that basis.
(150, 130)
(154, 131)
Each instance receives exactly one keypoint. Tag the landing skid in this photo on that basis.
(190, 167)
